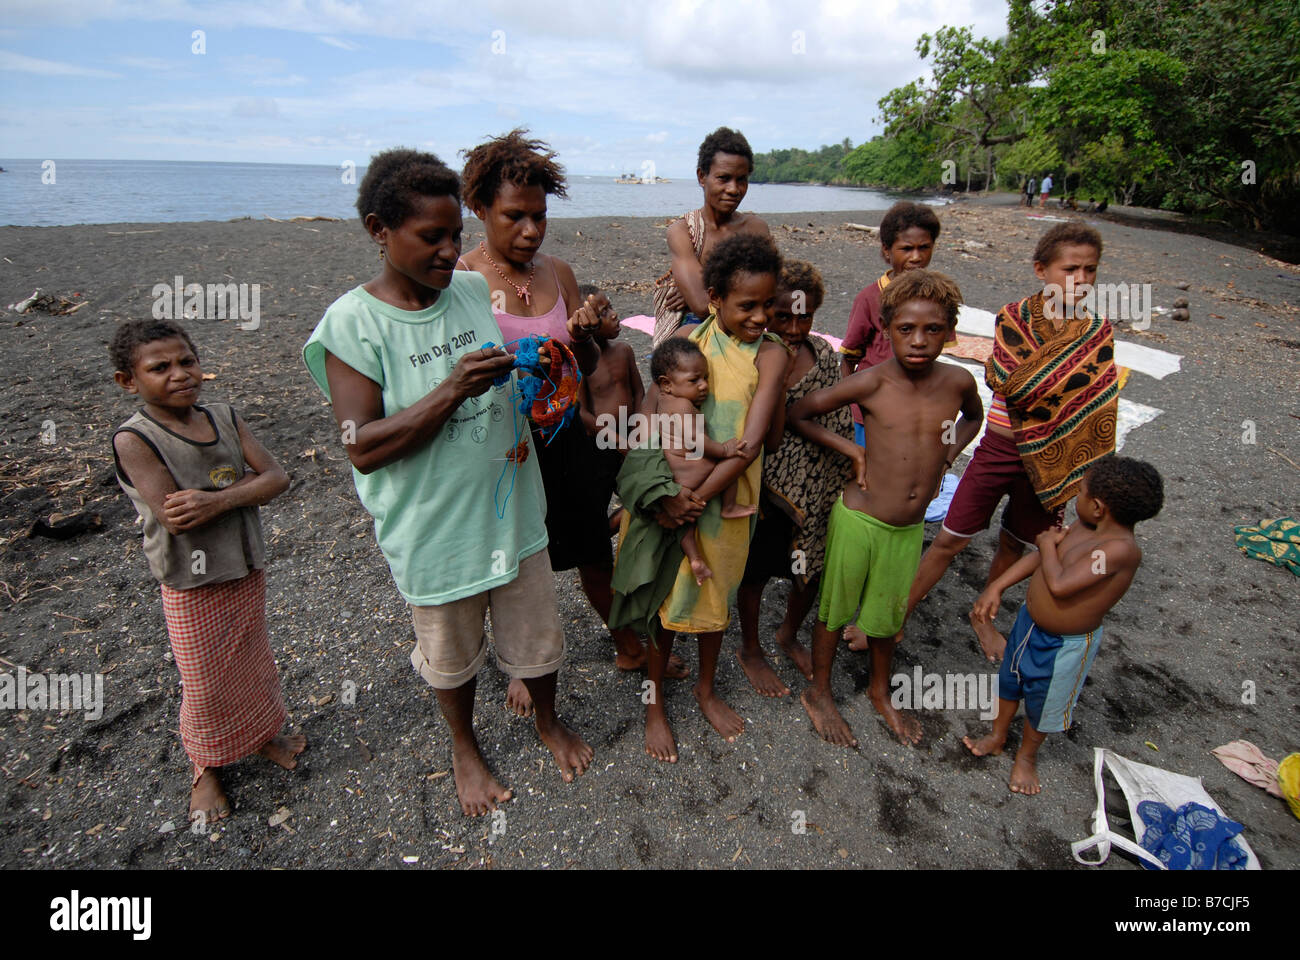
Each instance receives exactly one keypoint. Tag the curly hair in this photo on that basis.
(800, 276)
(921, 285)
(134, 334)
(512, 158)
(742, 253)
(669, 355)
(723, 140)
(1132, 490)
(396, 177)
(905, 214)
(1065, 234)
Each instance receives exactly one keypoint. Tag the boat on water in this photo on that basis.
(632, 178)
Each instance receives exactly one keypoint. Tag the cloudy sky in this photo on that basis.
(612, 86)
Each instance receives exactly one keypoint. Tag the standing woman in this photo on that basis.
(723, 167)
(405, 362)
(506, 182)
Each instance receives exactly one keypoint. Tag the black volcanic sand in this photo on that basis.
(1200, 624)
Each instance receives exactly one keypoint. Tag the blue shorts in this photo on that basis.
(1046, 670)
(859, 434)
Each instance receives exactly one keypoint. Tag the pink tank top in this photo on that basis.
(553, 323)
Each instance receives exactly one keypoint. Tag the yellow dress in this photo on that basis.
(733, 379)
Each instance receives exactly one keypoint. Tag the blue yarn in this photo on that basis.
(528, 389)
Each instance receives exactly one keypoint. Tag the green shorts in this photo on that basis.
(869, 567)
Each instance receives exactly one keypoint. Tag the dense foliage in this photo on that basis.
(1191, 106)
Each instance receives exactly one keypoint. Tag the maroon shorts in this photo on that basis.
(995, 471)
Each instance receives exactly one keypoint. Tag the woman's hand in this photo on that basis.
(683, 508)
(187, 509)
(474, 371)
(675, 300)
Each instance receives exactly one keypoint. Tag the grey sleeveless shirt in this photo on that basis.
(229, 547)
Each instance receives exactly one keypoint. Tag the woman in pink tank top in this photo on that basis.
(506, 183)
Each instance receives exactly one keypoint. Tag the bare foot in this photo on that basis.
(905, 726)
(659, 740)
(282, 750)
(761, 675)
(208, 797)
(857, 639)
(827, 720)
(795, 650)
(518, 700)
(1024, 776)
(725, 720)
(570, 751)
(988, 745)
(701, 570)
(675, 670)
(736, 510)
(476, 788)
(991, 642)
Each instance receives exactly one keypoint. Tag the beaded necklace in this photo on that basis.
(524, 292)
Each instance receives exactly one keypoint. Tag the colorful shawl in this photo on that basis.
(804, 478)
(667, 321)
(733, 378)
(1062, 394)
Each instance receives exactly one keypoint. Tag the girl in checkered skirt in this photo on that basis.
(197, 476)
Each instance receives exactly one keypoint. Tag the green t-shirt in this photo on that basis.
(435, 510)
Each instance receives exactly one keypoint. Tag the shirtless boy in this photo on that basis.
(873, 545)
(682, 375)
(723, 167)
(1078, 575)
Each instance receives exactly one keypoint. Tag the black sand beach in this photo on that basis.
(375, 790)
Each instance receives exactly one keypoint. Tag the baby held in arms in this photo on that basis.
(682, 375)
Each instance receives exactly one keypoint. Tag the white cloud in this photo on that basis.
(336, 42)
(50, 68)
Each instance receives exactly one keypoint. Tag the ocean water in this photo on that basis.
(153, 191)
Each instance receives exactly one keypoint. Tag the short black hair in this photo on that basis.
(921, 285)
(741, 253)
(669, 355)
(905, 214)
(800, 276)
(134, 334)
(396, 177)
(1131, 489)
(586, 290)
(1065, 234)
(723, 140)
(511, 158)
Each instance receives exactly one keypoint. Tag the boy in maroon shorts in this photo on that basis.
(1055, 397)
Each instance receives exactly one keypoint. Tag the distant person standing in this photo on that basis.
(723, 168)
(1047, 189)
(1028, 199)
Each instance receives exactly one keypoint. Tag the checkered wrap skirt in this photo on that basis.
(231, 703)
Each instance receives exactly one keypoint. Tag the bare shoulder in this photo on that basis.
(756, 224)
(563, 271)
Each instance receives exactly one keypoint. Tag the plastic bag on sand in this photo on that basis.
(1141, 782)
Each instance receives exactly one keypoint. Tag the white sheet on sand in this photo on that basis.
(1135, 356)
(980, 323)
(977, 322)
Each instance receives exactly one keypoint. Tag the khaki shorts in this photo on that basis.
(450, 644)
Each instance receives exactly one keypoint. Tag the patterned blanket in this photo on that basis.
(1062, 393)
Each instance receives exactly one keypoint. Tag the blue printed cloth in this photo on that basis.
(1193, 837)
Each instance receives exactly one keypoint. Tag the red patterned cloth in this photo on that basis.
(231, 703)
